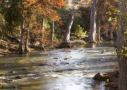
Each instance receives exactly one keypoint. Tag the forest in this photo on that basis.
(43, 39)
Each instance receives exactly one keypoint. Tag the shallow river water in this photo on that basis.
(59, 69)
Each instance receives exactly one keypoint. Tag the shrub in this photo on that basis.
(79, 32)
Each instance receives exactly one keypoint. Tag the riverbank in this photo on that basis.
(111, 78)
(10, 48)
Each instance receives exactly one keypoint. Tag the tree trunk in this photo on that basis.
(84, 22)
(92, 35)
(106, 22)
(98, 28)
(52, 31)
(27, 40)
(42, 45)
(68, 29)
(111, 32)
(27, 36)
(22, 29)
(121, 43)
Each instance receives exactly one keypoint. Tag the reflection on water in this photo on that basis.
(61, 69)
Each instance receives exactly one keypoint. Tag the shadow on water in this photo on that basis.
(104, 44)
(61, 69)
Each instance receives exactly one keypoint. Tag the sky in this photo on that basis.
(72, 1)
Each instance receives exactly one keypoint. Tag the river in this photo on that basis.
(59, 69)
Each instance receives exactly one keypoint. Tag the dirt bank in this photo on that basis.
(9, 48)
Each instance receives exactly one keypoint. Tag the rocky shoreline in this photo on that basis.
(111, 78)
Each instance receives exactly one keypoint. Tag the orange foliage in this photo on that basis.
(45, 7)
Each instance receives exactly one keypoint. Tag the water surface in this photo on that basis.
(60, 69)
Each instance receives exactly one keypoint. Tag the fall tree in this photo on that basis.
(44, 8)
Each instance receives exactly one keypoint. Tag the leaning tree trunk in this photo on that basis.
(98, 27)
(41, 43)
(22, 30)
(68, 29)
(92, 35)
(121, 43)
(52, 31)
